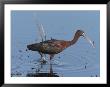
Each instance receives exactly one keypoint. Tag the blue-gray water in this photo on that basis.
(79, 60)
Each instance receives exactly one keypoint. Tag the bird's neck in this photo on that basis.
(74, 40)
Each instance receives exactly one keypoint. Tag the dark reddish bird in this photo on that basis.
(54, 46)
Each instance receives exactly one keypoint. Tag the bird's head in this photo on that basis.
(81, 33)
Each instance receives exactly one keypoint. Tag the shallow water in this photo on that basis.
(79, 60)
(62, 65)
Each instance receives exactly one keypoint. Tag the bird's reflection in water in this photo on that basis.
(50, 72)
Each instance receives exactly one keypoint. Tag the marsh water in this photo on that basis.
(78, 60)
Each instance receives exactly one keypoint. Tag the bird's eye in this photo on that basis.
(83, 34)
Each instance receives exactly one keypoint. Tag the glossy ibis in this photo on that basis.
(54, 46)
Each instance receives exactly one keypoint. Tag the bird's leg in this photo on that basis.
(42, 57)
(51, 56)
(45, 56)
(41, 54)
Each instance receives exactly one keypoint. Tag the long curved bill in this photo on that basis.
(88, 39)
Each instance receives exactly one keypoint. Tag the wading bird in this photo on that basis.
(53, 46)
